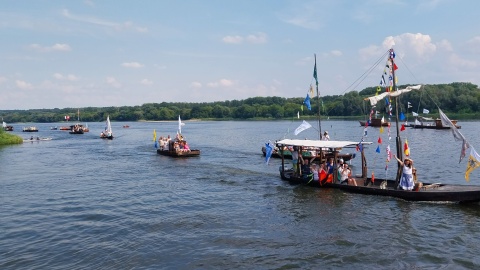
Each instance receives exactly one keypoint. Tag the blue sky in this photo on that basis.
(57, 54)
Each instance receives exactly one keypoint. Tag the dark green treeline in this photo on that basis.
(457, 99)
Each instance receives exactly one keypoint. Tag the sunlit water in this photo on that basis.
(80, 202)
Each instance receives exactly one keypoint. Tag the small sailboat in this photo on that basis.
(107, 133)
(6, 127)
(77, 128)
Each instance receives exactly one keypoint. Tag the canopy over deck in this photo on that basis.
(320, 144)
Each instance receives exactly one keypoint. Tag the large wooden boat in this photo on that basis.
(375, 122)
(177, 147)
(30, 129)
(77, 129)
(363, 184)
(430, 123)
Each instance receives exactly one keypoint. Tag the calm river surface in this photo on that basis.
(80, 202)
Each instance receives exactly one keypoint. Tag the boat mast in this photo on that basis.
(318, 99)
(398, 139)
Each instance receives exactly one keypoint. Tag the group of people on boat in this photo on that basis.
(179, 144)
(321, 171)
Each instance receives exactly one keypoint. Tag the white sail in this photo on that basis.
(373, 100)
(108, 128)
(4, 124)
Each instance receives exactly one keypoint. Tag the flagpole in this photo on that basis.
(318, 98)
(398, 138)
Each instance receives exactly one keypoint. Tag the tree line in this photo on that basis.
(459, 99)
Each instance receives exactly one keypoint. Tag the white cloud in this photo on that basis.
(96, 21)
(69, 77)
(258, 38)
(146, 82)
(55, 47)
(113, 82)
(232, 39)
(445, 45)
(474, 44)
(196, 85)
(3, 79)
(221, 83)
(23, 85)
(132, 65)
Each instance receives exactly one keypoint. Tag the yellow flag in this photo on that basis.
(311, 90)
(154, 135)
(381, 129)
(473, 163)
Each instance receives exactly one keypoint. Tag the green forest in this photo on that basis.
(459, 100)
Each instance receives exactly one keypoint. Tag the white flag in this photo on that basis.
(425, 111)
(302, 127)
(409, 105)
(414, 114)
(298, 115)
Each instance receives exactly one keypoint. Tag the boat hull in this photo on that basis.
(430, 192)
(191, 153)
(375, 123)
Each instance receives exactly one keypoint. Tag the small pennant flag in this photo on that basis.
(302, 127)
(402, 128)
(414, 114)
(409, 105)
(473, 163)
(395, 66)
(406, 150)
(402, 116)
(380, 140)
(378, 149)
(307, 102)
(425, 111)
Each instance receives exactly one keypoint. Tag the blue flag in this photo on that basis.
(378, 149)
(268, 152)
(307, 102)
(402, 116)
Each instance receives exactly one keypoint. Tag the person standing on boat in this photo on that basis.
(295, 159)
(325, 136)
(406, 181)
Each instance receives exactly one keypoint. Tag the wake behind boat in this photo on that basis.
(37, 139)
(404, 185)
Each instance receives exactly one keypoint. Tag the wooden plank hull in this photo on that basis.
(191, 153)
(431, 192)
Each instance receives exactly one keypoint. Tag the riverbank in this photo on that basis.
(7, 139)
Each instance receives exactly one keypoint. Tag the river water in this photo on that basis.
(80, 202)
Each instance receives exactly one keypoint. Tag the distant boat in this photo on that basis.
(375, 122)
(65, 128)
(126, 126)
(430, 123)
(53, 128)
(76, 129)
(7, 127)
(107, 133)
(30, 129)
(178, 147)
